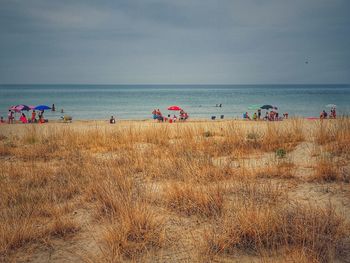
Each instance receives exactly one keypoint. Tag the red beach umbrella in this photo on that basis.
(175, 108)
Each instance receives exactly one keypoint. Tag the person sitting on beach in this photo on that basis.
(41, 119)
(323, 115)
(10, 117)
(33, 119)
(285, 115)
(184, 116)
(23, 118)
(112, 120)
(168, 119)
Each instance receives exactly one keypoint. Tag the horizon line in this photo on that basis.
(174, 84)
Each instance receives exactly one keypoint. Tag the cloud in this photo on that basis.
(163, 41)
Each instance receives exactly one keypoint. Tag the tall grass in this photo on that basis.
(133, 181)
(190, 200)
(259, 229)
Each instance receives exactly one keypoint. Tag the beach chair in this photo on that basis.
(66, 118)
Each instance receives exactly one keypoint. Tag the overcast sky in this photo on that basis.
(175, 41)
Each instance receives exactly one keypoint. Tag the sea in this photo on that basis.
(99, 102)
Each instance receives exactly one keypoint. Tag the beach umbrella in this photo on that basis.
(22, 107)
(174, 108)
(266, 107)
(31, 107)
(254, 107)
(331, 106)
(42, 107)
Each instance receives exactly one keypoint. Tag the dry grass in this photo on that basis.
(133, 234)
(259, 229)
(280, 169)
(335, 136)
(326, 170)
(202, 201)
(131, 185)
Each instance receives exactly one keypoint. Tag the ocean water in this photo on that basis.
(138, 101)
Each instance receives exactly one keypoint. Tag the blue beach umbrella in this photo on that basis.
(42, 107)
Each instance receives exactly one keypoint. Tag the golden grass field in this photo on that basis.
(200, 191)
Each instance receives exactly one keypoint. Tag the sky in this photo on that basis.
(174, 41)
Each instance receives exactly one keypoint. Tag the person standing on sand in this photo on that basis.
(333, 113)
(159, 115)
(10, 117)
(154, 114)
(53, 107)
(33, 116)
(259, 114)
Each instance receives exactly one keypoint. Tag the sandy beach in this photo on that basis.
(198, 191)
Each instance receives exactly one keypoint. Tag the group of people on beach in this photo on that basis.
(332, 114)
(272, 115)
(37, 116)
(157, 115)
(23, 118)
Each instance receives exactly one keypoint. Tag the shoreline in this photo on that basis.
(187, 121)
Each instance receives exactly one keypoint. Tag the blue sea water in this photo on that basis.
(138, 101)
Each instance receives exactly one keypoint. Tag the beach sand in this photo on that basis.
(197, 191)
